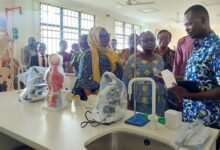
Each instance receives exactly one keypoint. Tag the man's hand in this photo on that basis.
(159, 78)
(179, 91)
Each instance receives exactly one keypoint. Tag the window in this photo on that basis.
(58, 23)
(50, 27)
(122, 31)
(137, 29)
(87, 22)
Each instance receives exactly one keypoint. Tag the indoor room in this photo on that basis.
(109, 74)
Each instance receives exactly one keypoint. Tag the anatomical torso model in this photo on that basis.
(54, 79)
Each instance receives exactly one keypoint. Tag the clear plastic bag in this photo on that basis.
(111, 102)
(36, 88)
(194, 136)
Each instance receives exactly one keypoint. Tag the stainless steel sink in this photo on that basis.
(123, 140)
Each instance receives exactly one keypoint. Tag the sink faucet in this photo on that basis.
(153, 116)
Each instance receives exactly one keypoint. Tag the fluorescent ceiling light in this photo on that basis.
(149, 10)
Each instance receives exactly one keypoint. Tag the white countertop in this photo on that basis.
(60, 130)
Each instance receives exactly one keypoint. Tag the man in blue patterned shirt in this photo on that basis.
(203, 67)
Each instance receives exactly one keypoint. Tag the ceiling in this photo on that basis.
(165, 11)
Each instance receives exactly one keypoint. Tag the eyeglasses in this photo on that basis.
(148, 40)
(104, 35)
(163, 39)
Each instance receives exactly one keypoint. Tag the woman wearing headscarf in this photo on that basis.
(95, 61)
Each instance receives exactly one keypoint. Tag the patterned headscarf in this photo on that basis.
(95, 46)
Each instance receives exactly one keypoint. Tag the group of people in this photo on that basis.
(126, 64)
(196, 58)
(34, 54)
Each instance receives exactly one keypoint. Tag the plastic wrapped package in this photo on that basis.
(36, 88)
(111, 102)
(194, 136)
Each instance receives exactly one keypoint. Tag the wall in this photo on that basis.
(216, 29)
(24, 22)
(7, 4)
(177, 30)
(28, 22)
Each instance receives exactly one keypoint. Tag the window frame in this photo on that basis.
(62, 27)
(124, 35)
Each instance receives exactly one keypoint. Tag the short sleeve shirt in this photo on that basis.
(204, 67)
